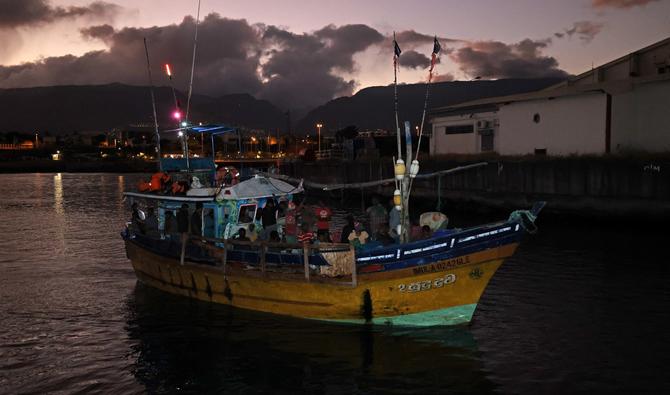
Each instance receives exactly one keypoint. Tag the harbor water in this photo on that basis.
(581, 307)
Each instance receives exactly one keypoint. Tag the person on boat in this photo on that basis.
(268, 218)
(347, 229)
(242, 235)
(359, 236)
(274, 237)
(151, 224)
(253, 235)
(220, 175)
(179, 187)
(377, 216)
(415, 232)
(136, 223)
(210, 226)
(383, 235)
(323, 215)
(394, 221)
(306, 236)
(306, 215)
(183, 223)
(196, 220)
(170, 227)
(426, 232)
(159, 181)
(291, 224)
(274, 240)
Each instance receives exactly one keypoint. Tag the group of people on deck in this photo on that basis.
(303, 224)
(176, 226)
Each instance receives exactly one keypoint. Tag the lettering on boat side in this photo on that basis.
(431, 247)
(374, 258)
(489, 233)
(436, 267)
(428, 284)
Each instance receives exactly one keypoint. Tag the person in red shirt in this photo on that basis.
(291, 223)
(306, 236)
(323, 215)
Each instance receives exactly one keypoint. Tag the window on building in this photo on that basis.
(541, 151)
(460, 129)
(487, 142)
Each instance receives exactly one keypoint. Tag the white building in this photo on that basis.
(620, 106)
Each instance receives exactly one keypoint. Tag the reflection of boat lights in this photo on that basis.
(58, 194)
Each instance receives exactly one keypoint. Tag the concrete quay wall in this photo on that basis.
(589, 186)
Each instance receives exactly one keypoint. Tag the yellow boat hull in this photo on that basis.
(438, 293)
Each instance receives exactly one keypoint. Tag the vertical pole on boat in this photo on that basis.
(153, 104)
(415, 163)
(305, 258)
(404, 216)
(354, 274)
(184, 239)
(190, 85)
(263, 251)
(213, 152)
(396, 55)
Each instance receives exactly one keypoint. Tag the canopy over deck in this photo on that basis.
(258, 187)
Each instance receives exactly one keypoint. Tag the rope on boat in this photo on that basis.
(331, 187)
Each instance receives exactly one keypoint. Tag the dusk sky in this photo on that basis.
(303, 53)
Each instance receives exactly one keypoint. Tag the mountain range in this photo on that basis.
(59, 109)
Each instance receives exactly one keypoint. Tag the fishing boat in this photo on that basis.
(434, 281)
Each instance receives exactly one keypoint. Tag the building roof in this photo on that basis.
(622, 59)
(493, 103)
(563, 89)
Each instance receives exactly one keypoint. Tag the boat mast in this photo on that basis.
(153, 104)
(190, 86)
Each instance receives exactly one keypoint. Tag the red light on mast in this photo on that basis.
(168, 71)
(176, 114)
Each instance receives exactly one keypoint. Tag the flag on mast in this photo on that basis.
(436, 49)
(396, 51)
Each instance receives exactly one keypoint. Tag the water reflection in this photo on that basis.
(201, 347)
(58, 194)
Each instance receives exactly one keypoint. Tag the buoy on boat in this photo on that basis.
(397, 200)
(399, 169)
(414, 169)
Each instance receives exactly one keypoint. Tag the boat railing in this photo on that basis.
(262, 247)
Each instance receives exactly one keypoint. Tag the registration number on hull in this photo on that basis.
(428, 284)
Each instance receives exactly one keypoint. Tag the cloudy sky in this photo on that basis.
(300, 53)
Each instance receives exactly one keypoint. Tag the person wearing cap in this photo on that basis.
(358, 237)
(323, 214)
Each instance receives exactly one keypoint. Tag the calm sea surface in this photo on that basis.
(579, 308)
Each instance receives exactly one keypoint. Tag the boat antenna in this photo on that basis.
(195, 46)
(153, 104)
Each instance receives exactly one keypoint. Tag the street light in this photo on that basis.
(319, 126)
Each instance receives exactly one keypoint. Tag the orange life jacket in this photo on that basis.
(143, 186)
(158, 181)
(177, 187)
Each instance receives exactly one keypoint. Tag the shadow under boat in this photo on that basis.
(186, 344)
